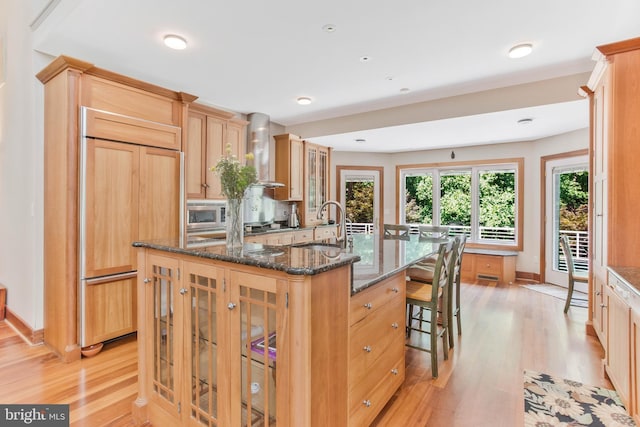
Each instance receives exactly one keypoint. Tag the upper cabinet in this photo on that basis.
(303, 168)
(289, 167)
(316, 181)
(209, 131)
(614, 91)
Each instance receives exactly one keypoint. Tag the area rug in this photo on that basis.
(555, 402)
(579, 298)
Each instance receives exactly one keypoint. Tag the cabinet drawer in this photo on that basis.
(366, 369)
(324, 233)
(365, 403)
(367, 301)
(487, 264)
(303, 236)
(373, 336)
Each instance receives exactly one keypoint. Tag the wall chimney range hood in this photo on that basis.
(258, 142)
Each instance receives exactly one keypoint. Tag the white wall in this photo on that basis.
(21, 160)
(531, 152)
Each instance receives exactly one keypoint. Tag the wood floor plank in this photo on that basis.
(506, 329)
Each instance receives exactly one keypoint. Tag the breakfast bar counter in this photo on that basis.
(330, 319)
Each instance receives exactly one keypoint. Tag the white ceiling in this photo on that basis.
(259, 56)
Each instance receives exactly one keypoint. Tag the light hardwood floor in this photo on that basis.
(506, 329)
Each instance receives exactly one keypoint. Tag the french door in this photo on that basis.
(361, 194)
(566, 214)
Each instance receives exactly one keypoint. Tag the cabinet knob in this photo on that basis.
(183, 291)
(366, 403)
(146, 280)
(394, 371)
(394, 325)
(367, 306)
(598, 293)
(231, 306)
(603, 306)
(396, 290)
(367, 348)
(205, 185)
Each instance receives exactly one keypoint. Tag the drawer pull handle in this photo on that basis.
(394, 325)
(603, 306)
(394, 371)
(367, 348)
(366, 403)
(367, 306)
(396, 290)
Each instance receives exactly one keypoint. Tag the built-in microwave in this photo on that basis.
(205, 215)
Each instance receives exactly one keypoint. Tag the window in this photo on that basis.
(479, 200)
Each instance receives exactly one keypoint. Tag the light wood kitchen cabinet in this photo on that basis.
(376, 348)
(289, 163)
(599, 308)
(140, 187)
(203, 317)
(316, 182)
(617, 348)
(485, 264)
(614, 93)
(197, 331)
(90, 115)
(209, 131)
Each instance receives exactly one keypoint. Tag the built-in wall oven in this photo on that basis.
(205, 222)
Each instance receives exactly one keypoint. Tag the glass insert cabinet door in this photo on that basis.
(211, 344)
(254, 334)
(204, 285)
(161, 281)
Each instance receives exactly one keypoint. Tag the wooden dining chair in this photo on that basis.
(454, 306)
(425, 296)
(433, 231)
(423, 271)
(396, 231)
(573, 275)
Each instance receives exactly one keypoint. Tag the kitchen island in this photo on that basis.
(298, 335)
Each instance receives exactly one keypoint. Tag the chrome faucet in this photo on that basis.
(341, 226)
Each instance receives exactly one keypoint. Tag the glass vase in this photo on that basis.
(234, 225)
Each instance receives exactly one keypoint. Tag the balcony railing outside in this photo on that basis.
(578, 240)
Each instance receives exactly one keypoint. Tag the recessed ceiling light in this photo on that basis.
(329, 28)
(520, 50)
(365, 58)
(404, 90)
(304, 100)
(175, 42)
(525, 121)
(361, 140)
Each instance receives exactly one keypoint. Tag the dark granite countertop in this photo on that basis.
(373, 257)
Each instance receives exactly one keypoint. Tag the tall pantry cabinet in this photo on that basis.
(614, 93)
(112, 175)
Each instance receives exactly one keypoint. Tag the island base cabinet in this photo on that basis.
(376, 348)
(199, 321)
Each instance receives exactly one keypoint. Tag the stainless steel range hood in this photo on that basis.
(258, 142)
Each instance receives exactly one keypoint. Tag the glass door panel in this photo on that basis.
(203, 343)
(257, 356)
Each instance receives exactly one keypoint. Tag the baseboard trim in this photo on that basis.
(33, 336)
(526, 276)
